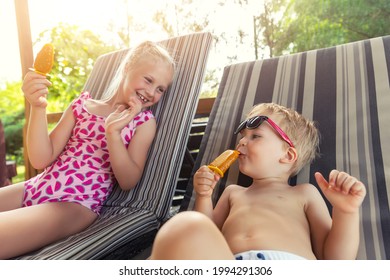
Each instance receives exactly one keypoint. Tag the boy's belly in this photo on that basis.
(276, 235)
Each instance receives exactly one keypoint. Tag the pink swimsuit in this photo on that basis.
(82, 173)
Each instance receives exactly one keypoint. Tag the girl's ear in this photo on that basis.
(290, 156)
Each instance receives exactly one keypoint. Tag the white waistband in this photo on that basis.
(267, 255)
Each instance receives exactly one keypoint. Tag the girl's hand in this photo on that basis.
(35, 89)
(205, 181)
(343, 191)
(135, 105)
(121, 117)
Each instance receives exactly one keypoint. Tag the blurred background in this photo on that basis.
(243, 30)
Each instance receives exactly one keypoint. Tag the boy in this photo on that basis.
(269, 219)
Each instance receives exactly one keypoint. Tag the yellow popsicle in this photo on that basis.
(223, 162)
(44, 61)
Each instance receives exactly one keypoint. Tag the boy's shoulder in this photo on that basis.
(307, 190)
(233, 188)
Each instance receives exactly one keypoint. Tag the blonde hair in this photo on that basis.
(302, 132)
(144, 50)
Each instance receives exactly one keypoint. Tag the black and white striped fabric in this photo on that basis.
(345, 89)
(128, 215)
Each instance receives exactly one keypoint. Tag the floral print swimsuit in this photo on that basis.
(82, 173)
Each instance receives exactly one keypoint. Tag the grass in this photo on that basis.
(20, 176)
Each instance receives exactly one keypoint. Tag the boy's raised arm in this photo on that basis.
(346, 195)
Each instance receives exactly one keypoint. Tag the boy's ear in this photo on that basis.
(290, 156)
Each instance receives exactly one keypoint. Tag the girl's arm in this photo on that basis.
(128, 165)
(43, 147)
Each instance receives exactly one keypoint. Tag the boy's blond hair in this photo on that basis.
(302, 132)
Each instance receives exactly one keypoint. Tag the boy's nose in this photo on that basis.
(242, 142)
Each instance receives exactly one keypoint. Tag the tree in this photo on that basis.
(267, 26)
(313, 24)
(184, 22)
(12, 117)
(75, 53)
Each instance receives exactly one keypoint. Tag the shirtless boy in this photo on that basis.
(270, 219)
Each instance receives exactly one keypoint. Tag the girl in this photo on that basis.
(95, 143)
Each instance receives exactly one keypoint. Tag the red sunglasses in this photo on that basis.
(255, 122)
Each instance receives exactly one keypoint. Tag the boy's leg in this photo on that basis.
(29, 228)
(190, 235)
(11, 197)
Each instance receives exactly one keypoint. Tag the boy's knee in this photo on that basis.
(185, 224)
(188, 235)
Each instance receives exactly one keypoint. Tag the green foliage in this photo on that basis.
(187, 21)
(12, 117)
(210, 86)
(13, 130)
(301, 25)
(314, 24)
(267, 26)
(11, 99)
(75, 53)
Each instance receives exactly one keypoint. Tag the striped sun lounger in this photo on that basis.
(345, 89)
(130, 219)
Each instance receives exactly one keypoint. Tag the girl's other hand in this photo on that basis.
(121, 117)
(135, 105)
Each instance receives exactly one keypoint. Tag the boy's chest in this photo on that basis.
(280, 201)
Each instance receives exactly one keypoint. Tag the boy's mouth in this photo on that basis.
(142, 98)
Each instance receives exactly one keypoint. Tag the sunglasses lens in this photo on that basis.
(240, 127)
(254, 122)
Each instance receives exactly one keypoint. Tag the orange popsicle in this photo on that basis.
(44, 60)
(223, 162)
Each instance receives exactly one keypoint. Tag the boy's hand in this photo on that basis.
(343, 191)
(205, 181)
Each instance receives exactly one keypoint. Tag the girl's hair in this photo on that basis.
(302, 132)
(147, 49)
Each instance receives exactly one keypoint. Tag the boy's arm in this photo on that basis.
(222, 209)
(346, 194)
(204, 184)
(343, 238)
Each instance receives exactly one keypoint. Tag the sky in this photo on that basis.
(98, 15)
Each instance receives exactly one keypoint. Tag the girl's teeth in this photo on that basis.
(144, 100)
